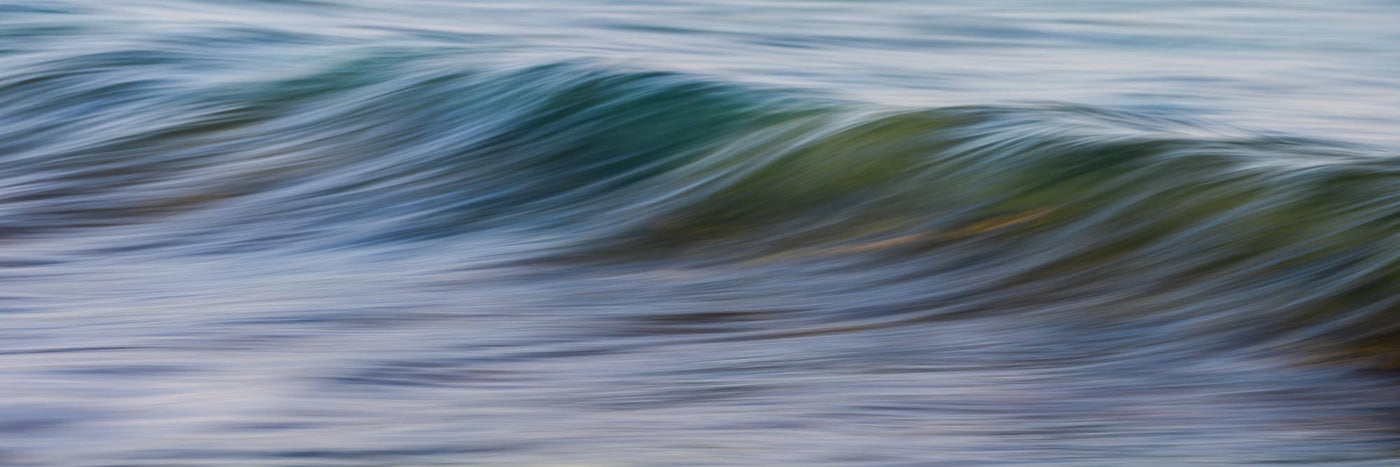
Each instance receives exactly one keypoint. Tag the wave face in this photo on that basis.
(420, 253)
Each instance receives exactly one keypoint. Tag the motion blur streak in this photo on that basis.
(354, 233)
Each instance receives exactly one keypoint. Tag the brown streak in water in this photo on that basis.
(1035, 217)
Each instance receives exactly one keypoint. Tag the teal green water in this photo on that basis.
(353, 233)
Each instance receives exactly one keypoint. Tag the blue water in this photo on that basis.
(627, 233)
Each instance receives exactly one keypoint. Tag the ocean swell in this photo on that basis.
(1046, 203)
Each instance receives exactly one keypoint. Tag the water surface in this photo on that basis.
(354, 233)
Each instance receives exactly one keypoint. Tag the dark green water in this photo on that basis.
(893, 233)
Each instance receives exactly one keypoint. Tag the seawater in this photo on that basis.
(429, 232)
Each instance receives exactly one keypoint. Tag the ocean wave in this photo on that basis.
(618, 164)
